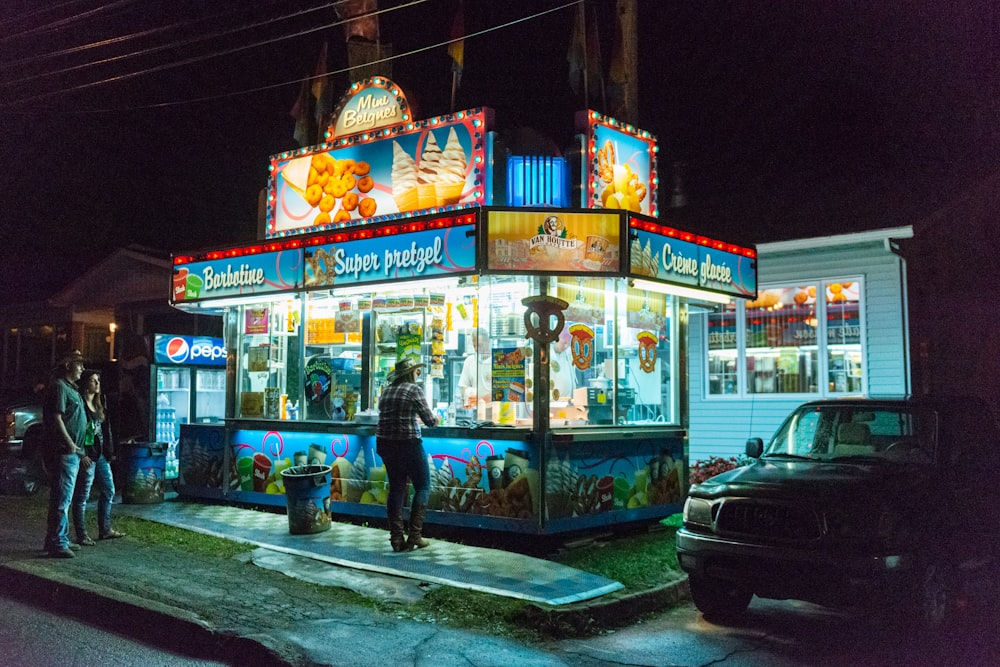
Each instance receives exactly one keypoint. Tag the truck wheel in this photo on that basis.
(718, 600)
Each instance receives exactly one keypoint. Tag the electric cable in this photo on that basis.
(257, 89)
(116, 40)
(196, 59)
(153, 49)
(62, 23)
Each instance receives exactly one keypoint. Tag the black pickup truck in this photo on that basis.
(22, 427)
(20, 445)
(853, 500)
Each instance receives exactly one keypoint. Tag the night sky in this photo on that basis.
(792, 119)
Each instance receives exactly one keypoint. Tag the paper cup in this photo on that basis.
(180, 284)
(261, 471)
(194, 284)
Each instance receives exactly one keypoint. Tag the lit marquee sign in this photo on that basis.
(422, 247)
(621, 161)
(672, 256)
(379, 165)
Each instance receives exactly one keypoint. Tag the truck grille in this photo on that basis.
(767, 520)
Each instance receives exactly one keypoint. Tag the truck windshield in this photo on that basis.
(857, 434)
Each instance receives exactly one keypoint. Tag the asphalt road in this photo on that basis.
(787, 634)
(31, 636)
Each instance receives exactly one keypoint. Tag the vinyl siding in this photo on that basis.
(721, 426)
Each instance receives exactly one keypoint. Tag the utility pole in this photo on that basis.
(628, 24)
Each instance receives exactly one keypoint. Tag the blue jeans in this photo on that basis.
(62, 479)
(405, 459)
(101, 471)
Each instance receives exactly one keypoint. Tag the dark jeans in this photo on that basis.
(405, 459)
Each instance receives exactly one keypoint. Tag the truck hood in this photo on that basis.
(776, 478)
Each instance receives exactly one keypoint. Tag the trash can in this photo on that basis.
(307, 494)
(143, 465)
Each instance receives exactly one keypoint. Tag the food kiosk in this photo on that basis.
(568, 414)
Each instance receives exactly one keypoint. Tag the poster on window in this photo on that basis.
(508, 374)
(256, 321)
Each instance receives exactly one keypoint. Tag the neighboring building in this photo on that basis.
(125, 292)
(109, 313)
(830, 319)
(953, 267)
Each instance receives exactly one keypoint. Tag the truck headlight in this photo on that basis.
(698, 511)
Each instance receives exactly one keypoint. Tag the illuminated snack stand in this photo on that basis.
(568, 413)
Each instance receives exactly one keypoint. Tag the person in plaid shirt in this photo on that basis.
(399, 444)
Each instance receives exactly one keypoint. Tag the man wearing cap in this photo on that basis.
(65, 422)
(399, 444)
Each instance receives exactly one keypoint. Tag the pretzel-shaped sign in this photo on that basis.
(538, 317)
(647, 351)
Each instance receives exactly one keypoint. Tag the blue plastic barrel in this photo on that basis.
(144, 465)
(307, 494)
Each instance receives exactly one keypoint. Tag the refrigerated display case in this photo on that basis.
(189, 386)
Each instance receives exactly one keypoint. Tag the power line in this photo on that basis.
(62, 23)
(112, 40)
(197, 59)
(156, 49)
(257, 89)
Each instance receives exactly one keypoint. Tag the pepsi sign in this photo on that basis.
(189, 350)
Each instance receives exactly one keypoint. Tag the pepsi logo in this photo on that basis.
(200, 350)
(178, 350)
(207, 351)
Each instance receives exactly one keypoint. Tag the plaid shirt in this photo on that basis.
(398, 409)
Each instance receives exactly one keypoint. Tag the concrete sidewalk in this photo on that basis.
(260, 610)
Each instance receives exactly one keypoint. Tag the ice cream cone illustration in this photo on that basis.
(451, 179)
(429, 173)
(358, 481)
(404, 179)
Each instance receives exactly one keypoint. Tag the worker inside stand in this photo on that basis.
(476, 378)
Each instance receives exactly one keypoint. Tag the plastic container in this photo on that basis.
(144, 465)
(307, 494)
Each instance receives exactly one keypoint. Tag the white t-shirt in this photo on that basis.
(468, 378)
(561, 374)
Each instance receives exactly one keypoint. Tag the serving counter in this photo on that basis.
(496, 478)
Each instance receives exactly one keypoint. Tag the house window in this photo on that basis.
(788, 341)
(843, 336)
(781, 351)
(723, 351)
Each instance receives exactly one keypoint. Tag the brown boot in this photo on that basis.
(415, 541)
(396, 526)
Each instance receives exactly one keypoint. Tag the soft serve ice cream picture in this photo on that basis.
(438, 179)
(349, 182)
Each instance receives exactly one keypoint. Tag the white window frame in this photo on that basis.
(822, 336)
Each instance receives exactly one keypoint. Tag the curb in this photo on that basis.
(148, 621)
(612, 610)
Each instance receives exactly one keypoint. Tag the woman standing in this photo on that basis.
(399, 444)
(99, 451)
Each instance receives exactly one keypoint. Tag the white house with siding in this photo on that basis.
(830, 320)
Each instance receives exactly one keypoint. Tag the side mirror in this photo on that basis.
(755, 447)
